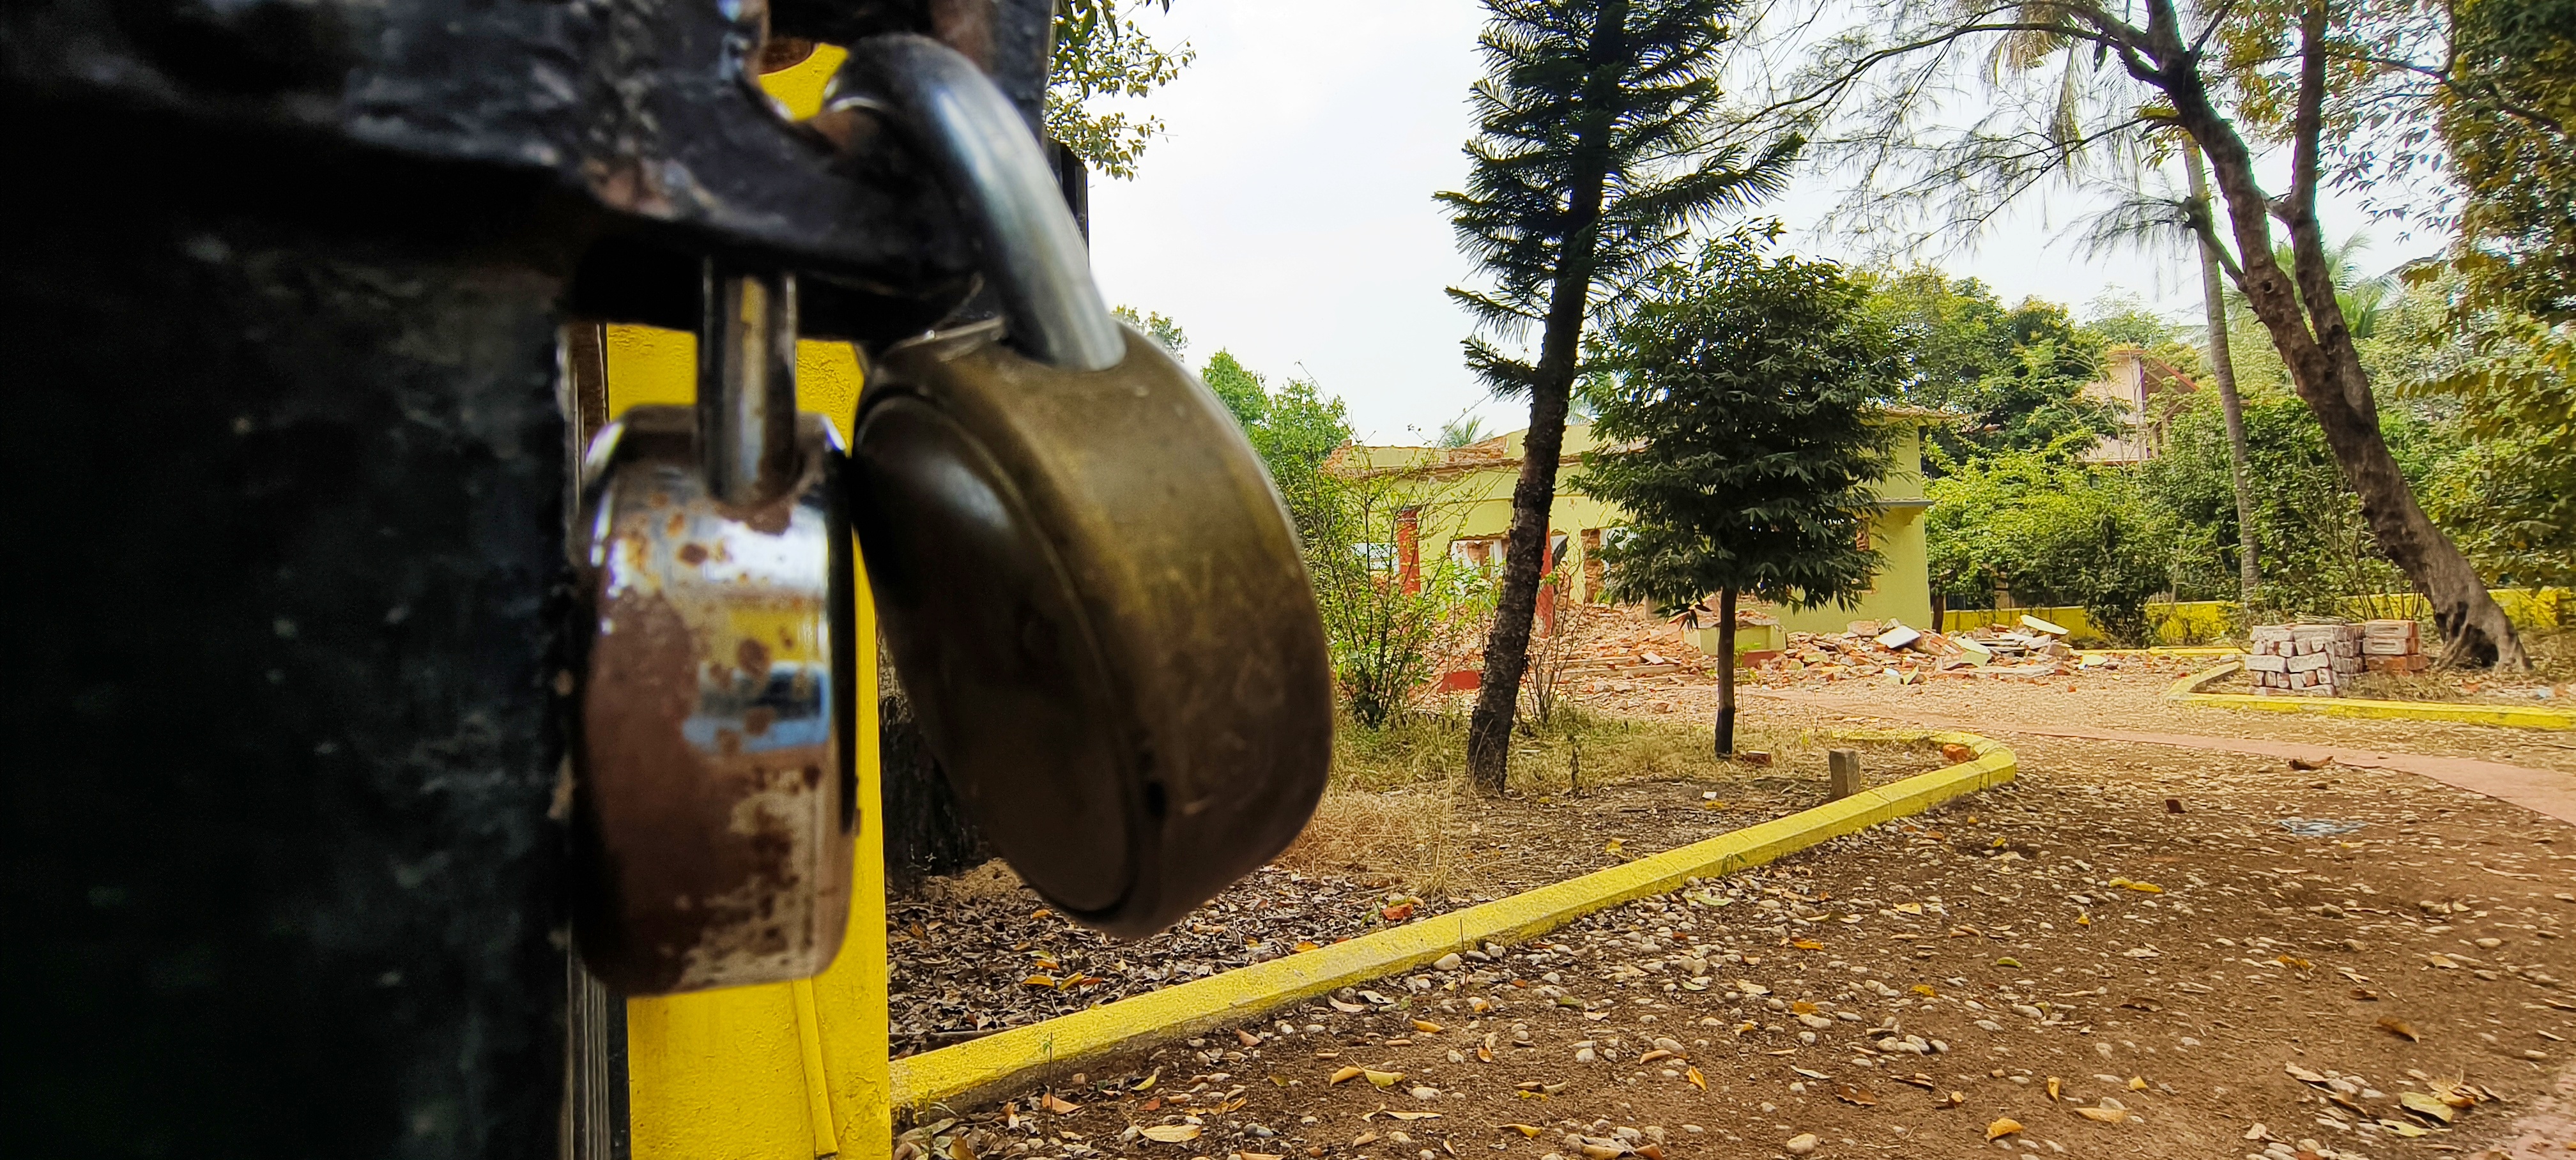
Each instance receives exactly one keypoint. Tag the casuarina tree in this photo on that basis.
(2348, 89)
(1594, 157)
(1744, 446)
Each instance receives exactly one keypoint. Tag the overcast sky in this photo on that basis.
(1287, 215)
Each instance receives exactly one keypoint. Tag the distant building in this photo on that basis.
(2145, 391)
(1465, 511)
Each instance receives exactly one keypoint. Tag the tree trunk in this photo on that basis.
(2316, 344)
(1726, 673)
(927, 832)
(2222, 370)
(1489, 729)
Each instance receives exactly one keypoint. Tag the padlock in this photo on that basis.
(714, 800)
(1088, 583)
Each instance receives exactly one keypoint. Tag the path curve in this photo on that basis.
(2542, 791)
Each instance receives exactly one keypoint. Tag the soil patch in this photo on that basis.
(2291, 962)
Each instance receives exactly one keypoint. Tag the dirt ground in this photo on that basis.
(981, 953)
(2288, 964)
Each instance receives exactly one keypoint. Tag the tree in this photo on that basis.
(1593, 159)
(1100, 51)
(2013, 375)
(1744, 388)
(2322, 77)
(2050, 530)
(1461, 431)
(2507, 121)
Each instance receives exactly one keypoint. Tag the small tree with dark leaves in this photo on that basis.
(1742, 442)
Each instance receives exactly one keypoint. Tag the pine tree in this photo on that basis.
(1592, 161)
(1749, 448)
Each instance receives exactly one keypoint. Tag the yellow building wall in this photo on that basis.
(1478, 505)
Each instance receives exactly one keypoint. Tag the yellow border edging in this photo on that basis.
(2165, 651)
(2188, 691)
(1040, 1051)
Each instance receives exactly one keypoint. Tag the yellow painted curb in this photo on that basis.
(1042, 1051)
(2164, 651)
(2188, 691)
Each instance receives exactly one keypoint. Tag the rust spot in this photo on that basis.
(692, 553)
(758, 719)
(753, 656)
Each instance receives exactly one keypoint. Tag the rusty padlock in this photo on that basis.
(1088, 583)
(714, 800)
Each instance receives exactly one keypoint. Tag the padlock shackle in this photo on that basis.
(1033, 252)
(747, 383)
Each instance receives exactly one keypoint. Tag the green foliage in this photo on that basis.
(1742, 398)
(1387, 635)
(2314, 546)
(1459, 432)
(1294, 429)
(2507, 122)
(2505, 383)
(1593, 160)
(1100, 51)
(2051, 530)
(1157, 326)
(1242, 391)
(2013, 374)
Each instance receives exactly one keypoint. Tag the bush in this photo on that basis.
(2052, 531)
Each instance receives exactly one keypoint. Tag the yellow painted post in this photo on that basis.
(790, 1071)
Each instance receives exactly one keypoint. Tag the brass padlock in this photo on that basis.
(1087, 581)
(714, 800)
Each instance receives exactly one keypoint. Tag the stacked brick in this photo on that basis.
(2393, 646)
(2317, 659)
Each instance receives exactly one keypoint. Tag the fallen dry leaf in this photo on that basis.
(1246, 1038)
(2002, 1128)
(1954, 752)
(2399, 1028)
(1346, 1074)
(1347, 1008)
(1426, 1027)
(1414, 1115)
(1858, 1097)
(2103, 1115)
(1397, 913)
(1172, 1133)
(2428, 1106)
(1807, 944)
(2301, 1074)
(1382, 1078)
(2052, 1088)
(1147, 1083)
(1952, 1100)
(1696, 1079)
(1529, 1130)
(2311, 763)
(1052, 1102)
(1041, 981)
(1304, 945)
(2137, 1083)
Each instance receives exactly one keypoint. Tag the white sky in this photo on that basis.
(1287, 215)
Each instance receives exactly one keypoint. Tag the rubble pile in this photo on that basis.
(1902, 654)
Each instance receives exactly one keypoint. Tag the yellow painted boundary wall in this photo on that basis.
(1045, 1051)
(2205, 620)
(2187, 691)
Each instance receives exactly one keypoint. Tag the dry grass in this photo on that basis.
(1399, 794)
(1395, 834)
